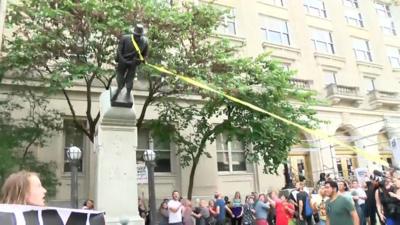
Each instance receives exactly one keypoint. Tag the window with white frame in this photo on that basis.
(228, 23)
(147, 140)
(73, 137)
(385, 17)
(275, 2)
(285, 66)
(230, 154)
(354, 18)
(322, 41)
(387, 26)
(382, 9)
(394, 57)
(369, 84)
(315, 8)
(351, 3)
(361, 49)
(330, 77)
(275, 30)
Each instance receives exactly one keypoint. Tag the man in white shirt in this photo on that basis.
(175, 209)
(359, 196)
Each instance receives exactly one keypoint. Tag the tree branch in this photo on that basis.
(71, 108)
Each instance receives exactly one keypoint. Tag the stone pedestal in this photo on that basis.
(116, 177)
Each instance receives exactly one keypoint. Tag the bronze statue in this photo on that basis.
(128, 59)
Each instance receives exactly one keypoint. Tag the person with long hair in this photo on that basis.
(23, 188)
(261, 209)
(386, 204)
(163, 213)
(237, 209)
(284, 209)
(249, 211)
(187, 212)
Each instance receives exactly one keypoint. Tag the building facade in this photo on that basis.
(348, 51)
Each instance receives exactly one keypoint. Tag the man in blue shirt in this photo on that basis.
(261, 210)
(222, 208)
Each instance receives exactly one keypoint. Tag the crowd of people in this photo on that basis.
(332, 202)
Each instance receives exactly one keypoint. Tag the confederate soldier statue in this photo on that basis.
(128, 59)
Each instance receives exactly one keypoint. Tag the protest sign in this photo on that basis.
(33, 215)
(141, 173)
(361, 174)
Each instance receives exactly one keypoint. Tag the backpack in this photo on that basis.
(308, 209)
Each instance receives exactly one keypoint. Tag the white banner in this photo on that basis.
(32, 215)
(395, 146)
(361, 175)
(141, 173)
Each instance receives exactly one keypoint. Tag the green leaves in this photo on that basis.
(18, 135)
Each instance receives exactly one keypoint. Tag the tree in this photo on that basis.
(62, 44)
(259, 81)
(19, 134)
(58, 44)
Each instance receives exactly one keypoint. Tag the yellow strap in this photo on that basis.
(318, 133)
(137, 48)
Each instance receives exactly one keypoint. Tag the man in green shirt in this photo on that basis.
(340, 210)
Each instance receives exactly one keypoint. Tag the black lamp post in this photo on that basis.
(288, 177)
(149, 157)
(74, 155)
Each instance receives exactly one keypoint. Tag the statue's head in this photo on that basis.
(138, 30)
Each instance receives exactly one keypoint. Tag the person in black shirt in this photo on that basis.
(370, 203)
(305, 210)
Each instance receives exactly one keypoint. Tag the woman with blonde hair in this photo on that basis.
(187, 212)
(23, 188)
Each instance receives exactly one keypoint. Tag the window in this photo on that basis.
(369, 84)
(387, 26)
(351, 3)
(330, 77)
(354, 18)
(73, 137)
(275, 30)
(361, 50)
(162, 148)
(322, 41)
(228, 23)
(382, 10)
(230, 154)
(276, 2)
(285, 66)
(385, 17)
(394, 56)
(315, 8)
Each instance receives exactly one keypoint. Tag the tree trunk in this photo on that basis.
(191, 177)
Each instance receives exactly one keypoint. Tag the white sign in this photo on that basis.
(395, 146)
(141, 173)
(24, 214)
(361, 174)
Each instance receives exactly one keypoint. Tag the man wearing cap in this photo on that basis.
(128, 58)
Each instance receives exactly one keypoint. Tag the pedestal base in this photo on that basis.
(116, 176)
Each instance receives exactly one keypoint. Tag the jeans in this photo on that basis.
(361, 214)
(307, 220)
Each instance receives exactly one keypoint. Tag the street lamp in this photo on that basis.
(74, 154)
(149, 156)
